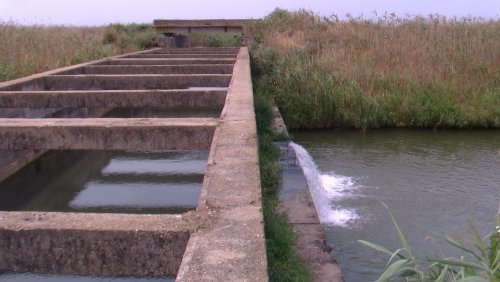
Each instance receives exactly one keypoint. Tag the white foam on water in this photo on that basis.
(325, 189)
(338, 186)
(343, 217)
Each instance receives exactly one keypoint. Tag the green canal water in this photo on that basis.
(431, 180)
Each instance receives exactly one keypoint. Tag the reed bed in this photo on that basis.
(430, 72)
(26, 50)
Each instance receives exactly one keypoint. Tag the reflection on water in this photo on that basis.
(107, 181)
(30, 277)
(431, 181)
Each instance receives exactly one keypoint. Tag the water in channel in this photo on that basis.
(111, 181)
(107, 181)
(431, 180)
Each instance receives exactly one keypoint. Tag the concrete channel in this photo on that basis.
(64, 109)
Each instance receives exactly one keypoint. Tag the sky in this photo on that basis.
(101, 12)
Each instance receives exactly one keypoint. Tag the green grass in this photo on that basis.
(283, 262)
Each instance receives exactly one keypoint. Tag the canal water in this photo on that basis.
(431, 180)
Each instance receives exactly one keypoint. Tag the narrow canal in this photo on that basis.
(432, 181)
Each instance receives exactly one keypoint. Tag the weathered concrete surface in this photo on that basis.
(231, 245)
(107, 133)
(208, 99)
(205, 55)
(92, 244)
(128, 82)
(155, 69)
(279, 125)
(311, 242)
(181, 51)
(168, 61)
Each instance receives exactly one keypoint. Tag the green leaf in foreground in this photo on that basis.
(474, 266)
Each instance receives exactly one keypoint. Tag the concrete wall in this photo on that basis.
(92, 244)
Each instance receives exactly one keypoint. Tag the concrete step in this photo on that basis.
(182, 51)
(184, 98)
(199, 49)
(125, 82)
(203, 56)
(107, 133)
(169, 61)
(121, 243)
(153, 69)
(179, 98)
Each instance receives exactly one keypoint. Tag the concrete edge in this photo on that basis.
(33, 220)
(230, 246)
(93, 244)
(303, 218)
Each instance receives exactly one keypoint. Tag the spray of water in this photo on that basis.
(325, 189)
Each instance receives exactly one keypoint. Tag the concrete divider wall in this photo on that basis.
(231, 246)
(92, 244)
(167, 61)
(127, 82)
(155, 69)
(171, 99)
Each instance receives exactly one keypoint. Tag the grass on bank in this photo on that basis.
(283, 262)
(432, 72)
(25, 50)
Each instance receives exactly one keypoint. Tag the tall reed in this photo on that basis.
(26, 50)
(390, 72)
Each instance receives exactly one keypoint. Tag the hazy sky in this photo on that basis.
(97, 12)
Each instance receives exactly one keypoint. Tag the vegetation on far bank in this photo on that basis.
(429, 72)
(25, 50)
